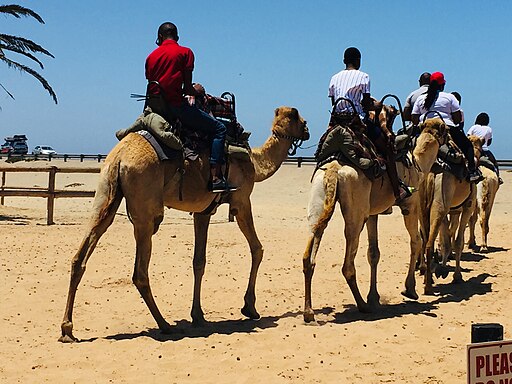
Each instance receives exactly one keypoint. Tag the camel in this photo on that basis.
(133, 171)
(361, 200)
(441, 193)
(485, 194)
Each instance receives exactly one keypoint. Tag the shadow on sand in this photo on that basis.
(185, 330)
(446, 293)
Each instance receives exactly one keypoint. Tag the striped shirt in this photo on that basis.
(351, 84)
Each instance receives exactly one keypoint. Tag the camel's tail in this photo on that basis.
(321, 207)
(108, 192)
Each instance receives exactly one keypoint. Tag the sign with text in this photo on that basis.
(490, 363)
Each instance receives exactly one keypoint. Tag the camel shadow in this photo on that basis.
(15, 219)
(447, 293)
(184, 329)
(472, 256)
(490, 249)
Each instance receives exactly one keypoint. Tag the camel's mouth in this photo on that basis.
(305, 133)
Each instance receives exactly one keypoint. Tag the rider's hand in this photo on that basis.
(191, 100)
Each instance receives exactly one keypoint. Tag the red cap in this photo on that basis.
(437, 77)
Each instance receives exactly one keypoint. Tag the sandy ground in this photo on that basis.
(404, 342)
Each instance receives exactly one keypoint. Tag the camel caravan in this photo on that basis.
(164, 160)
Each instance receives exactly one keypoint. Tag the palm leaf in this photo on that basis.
(19, 11)
(30, 71)
(21, 52)
(23, 44)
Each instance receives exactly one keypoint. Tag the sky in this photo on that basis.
(267, 53)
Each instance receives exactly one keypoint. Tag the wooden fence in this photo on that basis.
(50, 193)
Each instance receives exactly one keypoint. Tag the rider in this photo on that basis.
(482, 130)
(436, 100)
(353, 84)
(169, 73)
(413, 96)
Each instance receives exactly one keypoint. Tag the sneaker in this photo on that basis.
(500, 180)
(405, 192)
(475, 176)
(221, 185)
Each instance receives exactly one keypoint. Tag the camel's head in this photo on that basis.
(435, 127)
(288, 123)
(477, 145)
(387, 115)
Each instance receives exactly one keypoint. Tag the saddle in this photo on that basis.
(346, 142)
(451, 159)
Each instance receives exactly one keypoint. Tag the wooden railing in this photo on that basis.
(50, 193)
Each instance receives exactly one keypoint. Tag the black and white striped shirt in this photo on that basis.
(351, 84)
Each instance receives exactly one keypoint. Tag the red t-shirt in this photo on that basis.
(166, 65)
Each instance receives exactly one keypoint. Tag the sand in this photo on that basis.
(404, 342)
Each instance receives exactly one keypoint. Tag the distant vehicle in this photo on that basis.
(6, 148)
(19, 148)
(15, 145)
(43, 150)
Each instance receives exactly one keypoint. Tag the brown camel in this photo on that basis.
(361, 200)
(441, 193)
(133, 171)
(485, 194)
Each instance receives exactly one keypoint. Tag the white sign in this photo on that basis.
(490, 363)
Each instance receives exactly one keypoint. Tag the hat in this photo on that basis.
(352, 53)
(438, 77)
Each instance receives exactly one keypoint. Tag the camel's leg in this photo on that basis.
(201, 224)
(485, 215)
(246, 224)
(445, 239)
(438, 212)
(144, 229)
(411, 224)
(459, 241)
(472, 224)
(103, 216)
(373, 255)
(354, 222)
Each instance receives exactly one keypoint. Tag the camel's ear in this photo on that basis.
(294, 113)
(276, 112)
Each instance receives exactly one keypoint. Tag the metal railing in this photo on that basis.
(65, 157)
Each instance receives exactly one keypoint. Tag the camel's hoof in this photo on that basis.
(410, 295)
(429, 291)
(68, 339)
(441, 271)
(483, 249)
(309, 316)
(457, 278)
(364, 308)
(472, 246)
(198, 319)
(251, 313)
(165, 328)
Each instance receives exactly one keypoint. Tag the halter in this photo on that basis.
(399, 107)
(296, 142)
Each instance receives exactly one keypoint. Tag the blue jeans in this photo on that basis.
(201, 121)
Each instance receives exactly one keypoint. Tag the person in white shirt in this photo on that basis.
(354, 85)
(424, 80)
(437, 103)
(481, 129)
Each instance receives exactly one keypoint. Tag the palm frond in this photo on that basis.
(23, 44)
(19, 11)
(30, 71)
(21, 52)
(6, 91)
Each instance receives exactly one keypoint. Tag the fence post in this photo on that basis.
(51, 195)
(81, 158)
(3, 185)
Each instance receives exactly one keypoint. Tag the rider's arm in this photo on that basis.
(456, 117)
(415, 119)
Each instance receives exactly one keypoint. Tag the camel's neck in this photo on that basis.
(425, 152)
(268, 158)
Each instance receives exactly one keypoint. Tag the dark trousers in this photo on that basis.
(465, 145)
(196, 119)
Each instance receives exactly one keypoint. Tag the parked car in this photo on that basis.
(19, 148)
(6, 148)
(43, 150)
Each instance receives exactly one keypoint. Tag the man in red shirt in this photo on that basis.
(169, 73)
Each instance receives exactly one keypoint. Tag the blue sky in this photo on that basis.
(268, 53)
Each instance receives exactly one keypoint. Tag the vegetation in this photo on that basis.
(24, 47)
